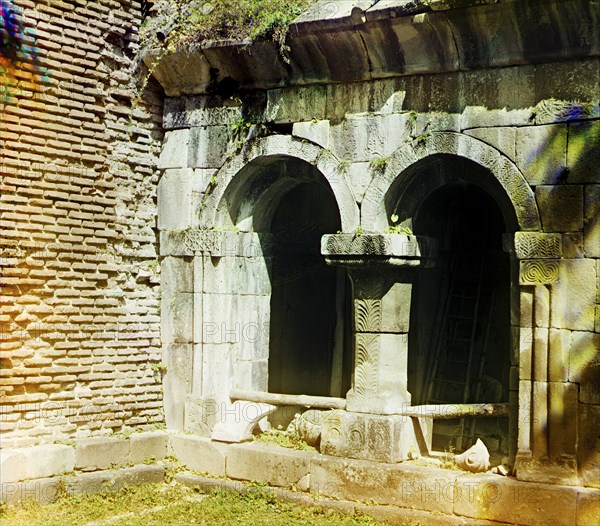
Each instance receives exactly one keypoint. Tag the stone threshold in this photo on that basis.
(391, 490)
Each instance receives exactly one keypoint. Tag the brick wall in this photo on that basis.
(79, 293)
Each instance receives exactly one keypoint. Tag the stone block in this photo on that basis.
(405, 485)
(200, 110)
(237, 275)
(588, 445)
(525, 352)
(314, 131)
(368, 437)
(217, 371)
(271, 464)
(296, 104)
(541, 153)
(584, 365)
(561, 207)
(174, 197)
(252, 375)
(574, 295)
(220, 319)
(368, 137)
(558, 359)
(395, 308)
(382, 96)
(208, 146)
(583, 153)
(573, 245)
(176, 276)
(591, 220)
(502, 138)
(359, 176)
(13, 465)
(174, 153)
(177, 318)
(100, 453)
(113, 480)
(179, 362)
(502, 499)
(143, 446)
(199, 453)
(35, 462)
(588, 510)
(43, 491)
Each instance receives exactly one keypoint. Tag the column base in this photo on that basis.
(364, 436)
(530, 469)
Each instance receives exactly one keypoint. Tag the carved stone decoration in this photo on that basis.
(367, 315)
(476, 459)
(366, 372)
(368, 436)
(350, 244)
(374, 214)
(201, 242)
(534, 245)
(539, 272)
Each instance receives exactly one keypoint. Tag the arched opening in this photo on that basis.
(309, 341)
(459, 342)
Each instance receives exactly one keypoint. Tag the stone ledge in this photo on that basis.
(45, 490)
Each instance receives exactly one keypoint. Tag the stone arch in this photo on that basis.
(523, 206)
(233, 201)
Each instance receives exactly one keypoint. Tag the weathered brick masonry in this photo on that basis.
(79, 294)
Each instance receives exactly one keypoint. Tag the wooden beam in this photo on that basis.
(319, 402)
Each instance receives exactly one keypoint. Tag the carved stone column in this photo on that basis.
(546, 420)
(381, 268)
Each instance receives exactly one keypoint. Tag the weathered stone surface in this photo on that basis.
(368, 437)
(541, 153)
(238, 420)
(591, 220)
(100, 453)
(588, 445)
(151, 444)
(184, 112)
(588, 511)
(558, 351)
(177, 326)
(35, 462)
(584, 365)
(368, 137)
(271, 464)
(296, 104)
(573, 295)
(561, 207)
(43, 491)
(404, 485)
(501, 138)
(208, 146)
(535, 245)
(174, 152)
(507, 500)
(199, 453)
(113, 480)
(314, 131)
(175, 199)
(583, 154)
(538, 271)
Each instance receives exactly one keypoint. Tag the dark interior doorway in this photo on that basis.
(309, 341)
(460, 318)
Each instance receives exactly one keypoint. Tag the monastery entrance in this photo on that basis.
(460, 321)
(309, 340)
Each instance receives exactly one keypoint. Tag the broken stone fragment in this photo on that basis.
(476, 459)
(306, 427)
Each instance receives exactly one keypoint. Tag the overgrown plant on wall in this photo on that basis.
(191, 24)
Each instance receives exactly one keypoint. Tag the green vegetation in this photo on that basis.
(283, 439)
(379, 163)
(165, 505)
(195, 23)
(397, 229)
